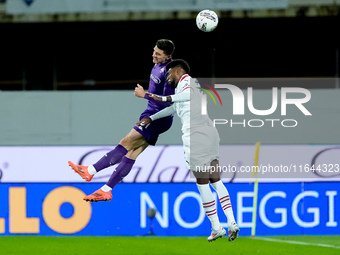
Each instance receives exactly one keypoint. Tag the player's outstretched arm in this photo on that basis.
(164, 113)
(179, 97)
(159, 98)
(143, 123)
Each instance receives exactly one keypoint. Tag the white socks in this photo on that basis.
(224, 198)
(91, 170)
(106, 188)
(209, 205)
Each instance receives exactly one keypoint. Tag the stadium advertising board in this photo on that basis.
(298, 192)
(58, 209)
(164, 164)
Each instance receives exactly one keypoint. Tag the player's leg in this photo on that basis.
(104, 193)
(202, 182)
(131, 141)
(209, 205)
(222, 191)
(109, 159)
(135, 142)
(224, 199)
(122, 170)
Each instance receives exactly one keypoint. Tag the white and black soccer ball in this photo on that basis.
(207, 20)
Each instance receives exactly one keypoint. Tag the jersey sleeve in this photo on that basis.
(184, 91)
(182, 96)
(164, 113)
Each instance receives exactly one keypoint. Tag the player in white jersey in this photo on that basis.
(200, 142)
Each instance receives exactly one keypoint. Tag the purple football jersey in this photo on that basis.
(158, 85)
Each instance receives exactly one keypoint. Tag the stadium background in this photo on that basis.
(67, 80)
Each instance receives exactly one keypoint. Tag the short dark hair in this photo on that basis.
(178, 62)
(166, 45)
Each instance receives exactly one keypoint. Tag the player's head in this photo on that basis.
(176, 69)
(163, 51)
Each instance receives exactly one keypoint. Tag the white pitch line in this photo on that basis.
(297, 242)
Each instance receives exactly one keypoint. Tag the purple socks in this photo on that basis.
(111, 158)
(122, 170)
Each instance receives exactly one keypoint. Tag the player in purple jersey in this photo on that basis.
(137, 140)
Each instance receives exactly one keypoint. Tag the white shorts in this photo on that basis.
(201, 147)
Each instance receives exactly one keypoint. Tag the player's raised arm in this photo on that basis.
(159, 98)
(180, 97)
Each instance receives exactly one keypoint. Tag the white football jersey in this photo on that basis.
(200, 137)
(188, 104)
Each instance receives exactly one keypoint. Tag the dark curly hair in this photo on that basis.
(178, 62)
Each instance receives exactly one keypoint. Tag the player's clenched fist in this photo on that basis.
(144, 122)
(139, 91)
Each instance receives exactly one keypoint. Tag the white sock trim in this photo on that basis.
(91, 170)
(106, 188)
(208, 197)
(222, 191)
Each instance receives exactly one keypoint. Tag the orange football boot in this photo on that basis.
(82, 171)
(99, 195)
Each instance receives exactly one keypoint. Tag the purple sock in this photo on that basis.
(111, 158)
(122, 170)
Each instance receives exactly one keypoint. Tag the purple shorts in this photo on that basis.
(155, 128)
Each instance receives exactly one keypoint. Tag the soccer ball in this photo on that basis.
(207, 20)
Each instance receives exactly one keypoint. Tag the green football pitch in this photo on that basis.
(169, 245)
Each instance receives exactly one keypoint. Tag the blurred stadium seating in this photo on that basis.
(76, 50)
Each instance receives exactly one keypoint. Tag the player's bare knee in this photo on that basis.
(126, 142)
